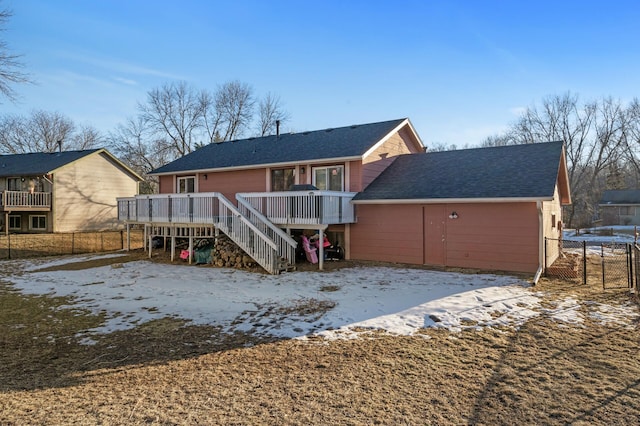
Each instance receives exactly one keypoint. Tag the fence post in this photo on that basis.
(602, 262)
(584, 262)
(629, 266)
(545, 256)
(73, 242)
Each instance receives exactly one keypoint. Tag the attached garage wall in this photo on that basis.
(491, 236)
(388, 233)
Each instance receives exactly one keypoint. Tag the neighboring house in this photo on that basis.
(620, 207)
(380, 196)
(64, 191)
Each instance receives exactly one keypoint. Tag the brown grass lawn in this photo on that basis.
(166, 372)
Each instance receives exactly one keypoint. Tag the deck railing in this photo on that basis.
(262, 240)
(25, 200)
(303, 207)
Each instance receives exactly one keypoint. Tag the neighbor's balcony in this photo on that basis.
(282, 208)
(25, 201)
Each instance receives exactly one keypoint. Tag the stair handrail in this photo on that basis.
(271, 262)
(286, 244)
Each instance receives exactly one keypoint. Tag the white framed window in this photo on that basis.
(14, 184)
(329, 178)
(15, 222)
(38, 223)
(282, 179)
(186, 184)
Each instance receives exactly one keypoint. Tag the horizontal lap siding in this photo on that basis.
(381, 157)
(228, 183)
(85, 192)
(387, 233)
(490, 236)
(494, 236)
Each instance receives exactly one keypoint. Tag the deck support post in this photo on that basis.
(320, 249)
(173, 244)
(190, 245)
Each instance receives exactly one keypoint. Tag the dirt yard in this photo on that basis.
(165, 372)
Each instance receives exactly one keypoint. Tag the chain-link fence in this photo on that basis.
(594, 263)
(565, 259)
(19, 246)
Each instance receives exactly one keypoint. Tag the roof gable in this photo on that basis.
(38, 163)
(339, 143)
(515, 171)
(42, 163)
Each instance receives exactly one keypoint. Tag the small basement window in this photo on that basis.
(15, 222)
(38, 223)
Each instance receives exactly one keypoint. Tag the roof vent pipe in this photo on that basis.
(277, 128)
(59, 146)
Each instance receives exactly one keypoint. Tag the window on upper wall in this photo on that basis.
(38, 223)
(14, 184)
(282, 179)
(329, 178)
(186, 184)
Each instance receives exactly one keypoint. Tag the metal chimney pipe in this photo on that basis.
(277, 128)
(59, 146)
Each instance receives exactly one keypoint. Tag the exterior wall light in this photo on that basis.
(453, 215)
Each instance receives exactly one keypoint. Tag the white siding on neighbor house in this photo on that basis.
(85, 192)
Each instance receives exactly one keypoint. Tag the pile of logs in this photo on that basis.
(226, 254)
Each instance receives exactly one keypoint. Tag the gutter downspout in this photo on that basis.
(536, 277)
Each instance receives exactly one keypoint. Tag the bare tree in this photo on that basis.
(134, 143)
(175, 112)
(596, 140)
(234, 101)
(42, 131)
(47, 129)
(270, 111)
(87, 137)
(10, 64)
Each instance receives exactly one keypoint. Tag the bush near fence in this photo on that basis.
(20, 246)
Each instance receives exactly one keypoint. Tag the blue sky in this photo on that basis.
(460, 70)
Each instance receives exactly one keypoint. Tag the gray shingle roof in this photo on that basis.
(38, 163)
(620, 196)
(350, 141)
(516, 171)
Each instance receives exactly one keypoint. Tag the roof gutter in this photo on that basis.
(456, 200)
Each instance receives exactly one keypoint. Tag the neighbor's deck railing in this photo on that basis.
(25, 200)
(303, 207)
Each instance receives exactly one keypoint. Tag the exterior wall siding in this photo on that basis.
(231, 182)
(383, 156)
(552, 215)
(490, 236)
(493, 236)
(387, 233)
(85, 192)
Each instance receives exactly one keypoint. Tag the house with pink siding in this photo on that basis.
(373, 190)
